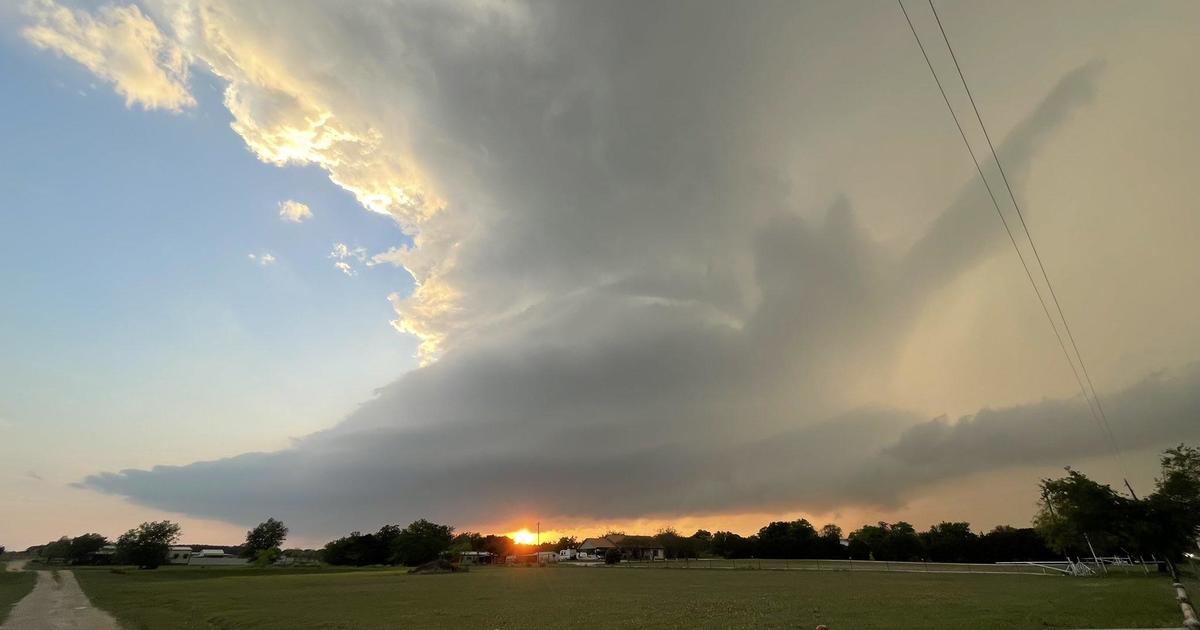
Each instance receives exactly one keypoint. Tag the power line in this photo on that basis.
(1033, 246)
(1100, 419)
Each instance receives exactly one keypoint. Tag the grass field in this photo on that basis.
(600, 597)
(13, 586)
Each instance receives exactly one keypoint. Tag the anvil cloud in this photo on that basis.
(621, 285)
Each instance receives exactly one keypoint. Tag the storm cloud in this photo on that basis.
(624, 293)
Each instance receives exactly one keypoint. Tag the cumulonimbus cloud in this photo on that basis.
(632, 314)
(626, 391)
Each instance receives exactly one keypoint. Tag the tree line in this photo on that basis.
(1073, 511)
(148, 546)
(1076, 517)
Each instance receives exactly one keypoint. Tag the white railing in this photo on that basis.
(1050, 567)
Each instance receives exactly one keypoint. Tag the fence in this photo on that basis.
(1003, 568)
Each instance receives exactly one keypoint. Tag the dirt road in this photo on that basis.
(57, 604)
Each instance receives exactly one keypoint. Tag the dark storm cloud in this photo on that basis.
(665, 383)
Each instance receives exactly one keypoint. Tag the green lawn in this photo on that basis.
(599, 597)
(13, 586)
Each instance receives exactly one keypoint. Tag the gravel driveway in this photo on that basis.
(57, 604)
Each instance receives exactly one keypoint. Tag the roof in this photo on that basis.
(620, 541)
(635, 542)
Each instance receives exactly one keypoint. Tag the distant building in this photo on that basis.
(104, 555)
(179, 554)
(215, 557)
(631, 547)
(567, 554)
(540, 558)
(476, 557)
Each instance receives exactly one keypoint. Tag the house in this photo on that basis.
(631, 547)
(179, 554)
(104, 555)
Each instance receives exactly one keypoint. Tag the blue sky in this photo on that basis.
(130, 303)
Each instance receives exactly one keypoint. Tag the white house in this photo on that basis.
(179, 554)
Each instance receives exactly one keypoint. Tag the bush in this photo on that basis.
(266, 557)
(612, 556)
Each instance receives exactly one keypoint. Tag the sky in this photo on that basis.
(596, 266)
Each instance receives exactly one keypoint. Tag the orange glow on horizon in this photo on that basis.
(523, 537)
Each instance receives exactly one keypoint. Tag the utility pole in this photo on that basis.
(539, 535)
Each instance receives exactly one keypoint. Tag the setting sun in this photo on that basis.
(524, 537)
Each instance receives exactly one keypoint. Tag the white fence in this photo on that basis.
(1054, 567)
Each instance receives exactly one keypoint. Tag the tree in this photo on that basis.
(1180, 480)
(566, 542)
(2, 550)
(421, 542)
(267, 557)
(829, 542)
(82, 547)
(268, 535)
(612, 555)
(344, 551)
(731, 545)
(674, 545)
(950, 542)
(57, 550)
(1170, 517)
(787, 539)
(701, 542)
(1075, 510)
(147, 545)
(466, 541)
(360, 549)
(884, 541)
(1011, 544)
(500, 546)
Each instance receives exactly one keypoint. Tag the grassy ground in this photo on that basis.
(13, 586)
(564, 597)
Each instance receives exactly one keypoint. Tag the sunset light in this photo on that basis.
(405, 310)
(523, 537)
